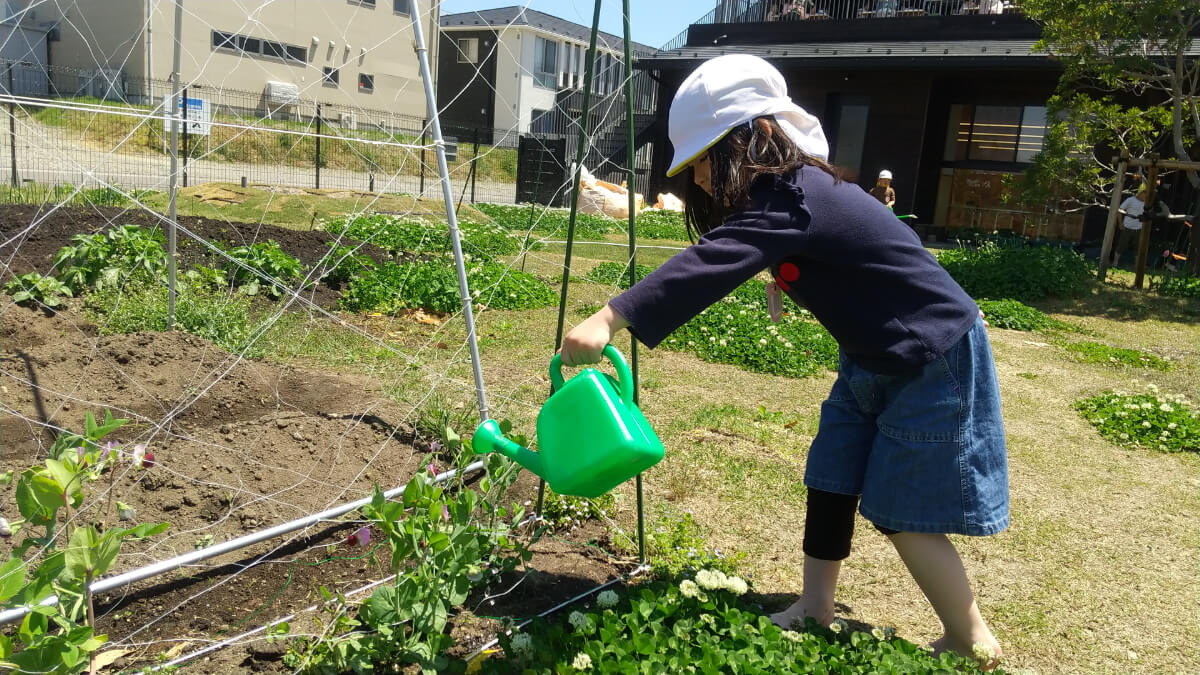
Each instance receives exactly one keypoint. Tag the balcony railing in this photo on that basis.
(762, 11)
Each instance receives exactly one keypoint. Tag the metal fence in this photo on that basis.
(91, 128)
(761, 11)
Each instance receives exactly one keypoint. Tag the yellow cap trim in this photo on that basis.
(693, 158)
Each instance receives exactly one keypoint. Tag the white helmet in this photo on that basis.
(885, 174)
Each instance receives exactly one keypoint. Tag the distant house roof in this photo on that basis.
(882, 53)
(523, 16)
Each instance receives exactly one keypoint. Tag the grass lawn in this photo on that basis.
(1098, 573)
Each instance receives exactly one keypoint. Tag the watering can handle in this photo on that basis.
(624, 376)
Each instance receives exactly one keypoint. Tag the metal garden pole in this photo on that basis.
(174, 180)
(12, 127)
(184, 125)
(451, 217)
(317, 158)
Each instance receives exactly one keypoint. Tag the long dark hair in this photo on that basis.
(734, 169)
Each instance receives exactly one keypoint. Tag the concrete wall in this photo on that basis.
(24, 47)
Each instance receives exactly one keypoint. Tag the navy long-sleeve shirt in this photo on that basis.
(835, 250)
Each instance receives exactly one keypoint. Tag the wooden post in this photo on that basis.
(1114, 205)
(1147, 221)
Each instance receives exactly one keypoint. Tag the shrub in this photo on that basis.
(35, 289)
(705, 626)
(615, 274)
(1182, 285)
(263, 258)
(1017, 271)
(413, 236)
(1151, 420)
(1016, 315)
(112, 258)
(211, 314)
(433, 285)
(738, 331)
(1098, 352)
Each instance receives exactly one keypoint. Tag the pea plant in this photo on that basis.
(60, 637)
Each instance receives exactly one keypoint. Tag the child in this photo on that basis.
(883, 190)
(913, 421)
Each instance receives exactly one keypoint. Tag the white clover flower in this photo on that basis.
(983, 652)
(691, 343)
(1146, 425)
(723, 342)
(1172, 425)
(1147, 406)
(729, 316)
(688, 588)
(878, 633)
(762, 341)
(711, 580)
(1166, 407)
(582, 662)
(792, 635)
(578, 619)
(522, 644)
(838, 625)
(1124, 436)
(736, 585)
(606, 599)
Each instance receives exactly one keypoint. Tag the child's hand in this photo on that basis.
(585, 343)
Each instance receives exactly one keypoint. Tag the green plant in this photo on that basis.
(60, 637)
(35, 289)
(1016, 315)
(739, 331)
(1151, 420)
(250, 263)
(442, 544)
(200, 309)
(433, 285)
(676, 546)
(615, 274)
(483, 240)
(1098, 352)
(546, 221)
(346, 265)
(206, 278)
(661, 225)
(1180, 285)
(109, 259)
(563, 512)
(706, 626)
(1018, 271)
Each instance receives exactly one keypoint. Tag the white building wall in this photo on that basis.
(508, 82)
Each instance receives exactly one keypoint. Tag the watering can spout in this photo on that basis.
(489, 438)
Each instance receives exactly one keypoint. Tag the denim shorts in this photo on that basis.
(926, 451)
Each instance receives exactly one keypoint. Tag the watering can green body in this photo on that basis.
(591, 435)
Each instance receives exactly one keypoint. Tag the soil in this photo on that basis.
(239, 446)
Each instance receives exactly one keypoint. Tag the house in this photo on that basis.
(947, 94)
(352, 53)
(511, 69)
(22, 51)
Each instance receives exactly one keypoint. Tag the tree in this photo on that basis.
(1119, 50)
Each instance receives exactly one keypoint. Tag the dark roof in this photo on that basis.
(883, 53)
(523, 16)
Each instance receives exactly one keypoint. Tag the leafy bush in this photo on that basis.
(739, 331)
(615, 274)
(267, 259)
(1016, 315)
(202, 311)
(562, 512)
(1017, 271)
(111, 258)
(346, 265)
(35, 289)
(413, 236)
(1098, 352)
(703, 626)
(1181, 285)
(1151, 420)
(433, 285)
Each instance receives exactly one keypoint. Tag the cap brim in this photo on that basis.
(680, 166)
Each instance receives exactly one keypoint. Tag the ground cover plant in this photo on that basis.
(564, 512)
(400, 235)
(1180, 285)
(1098, 352)
(615, 274)
(1150, 419)
(1017, 270)
(739, 331)
(433, 285)
(703, 625)
(1016, 315)
(677, 548)
(551, 221)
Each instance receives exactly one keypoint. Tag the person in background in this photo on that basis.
(883, 190)
(1131, 225)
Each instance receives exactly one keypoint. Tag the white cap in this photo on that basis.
(731, 90)
(885, 174)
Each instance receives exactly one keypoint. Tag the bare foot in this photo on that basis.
(986, 652)
(801, 610)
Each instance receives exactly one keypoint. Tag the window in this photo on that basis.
(402, 6)
(545, 63)
(245, 45)
(329, 76)
(366, 82)
(995, 133)
(540, 122)
(364, 3)
(468, 50)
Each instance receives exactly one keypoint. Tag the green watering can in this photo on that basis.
(590, 437)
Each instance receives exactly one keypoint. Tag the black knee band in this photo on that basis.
(829, 524)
